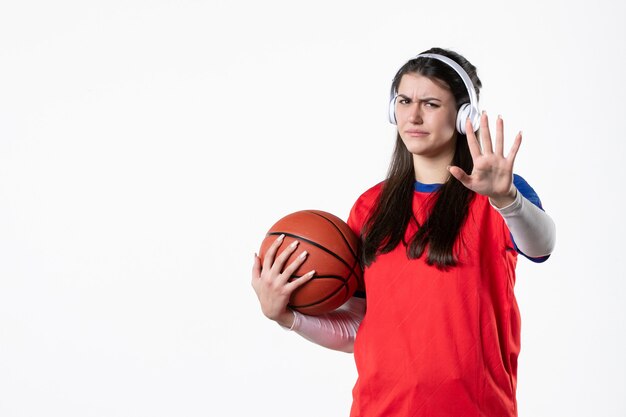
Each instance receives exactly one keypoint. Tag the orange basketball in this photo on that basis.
(332, 252)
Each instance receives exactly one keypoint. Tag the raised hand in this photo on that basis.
(271, 281)
(492, 174)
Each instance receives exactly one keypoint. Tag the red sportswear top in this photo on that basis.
(439, 343)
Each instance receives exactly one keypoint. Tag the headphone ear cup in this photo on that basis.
(461, 117)
(467, 111)
(392, 110)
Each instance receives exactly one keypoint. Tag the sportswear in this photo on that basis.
(440, 343)
(534, 234)
(532, 231)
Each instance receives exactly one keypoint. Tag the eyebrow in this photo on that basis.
(421, 99)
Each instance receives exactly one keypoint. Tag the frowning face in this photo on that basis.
(426, 116)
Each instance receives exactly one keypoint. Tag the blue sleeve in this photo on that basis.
(527, 191)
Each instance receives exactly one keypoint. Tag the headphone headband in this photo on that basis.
(466, 110)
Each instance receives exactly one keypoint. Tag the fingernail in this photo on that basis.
(294, 244)
(303, 254)
(499, 116)
(281, 237)
(311, 273)
(484, 112)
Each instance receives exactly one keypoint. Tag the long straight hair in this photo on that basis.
(449, 205)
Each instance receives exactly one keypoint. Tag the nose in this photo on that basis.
(415, 114)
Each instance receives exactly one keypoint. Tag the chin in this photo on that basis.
(429, 152)
(419, 150)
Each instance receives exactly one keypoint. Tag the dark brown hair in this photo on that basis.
(449, 205)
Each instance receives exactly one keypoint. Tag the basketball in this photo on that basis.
(332, 252)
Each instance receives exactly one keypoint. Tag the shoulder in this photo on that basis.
(371, 194)
(526, 190)
(363, 206)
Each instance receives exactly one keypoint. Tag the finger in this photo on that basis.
(271, 252)
(256, 267)
(469, 127)
(516, 145)
(472, 142)
(485, 135)
(297, 283)
(500, 136)
(292, 267)
(281, 260)
(460, 175)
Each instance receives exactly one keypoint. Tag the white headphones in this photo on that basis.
(466, 110)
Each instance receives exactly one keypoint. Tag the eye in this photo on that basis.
(403, 100)
(431, 105)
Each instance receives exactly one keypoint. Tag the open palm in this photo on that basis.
(492, 174)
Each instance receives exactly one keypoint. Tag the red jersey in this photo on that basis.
(439, 343)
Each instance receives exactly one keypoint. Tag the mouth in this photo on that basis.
(416, 133)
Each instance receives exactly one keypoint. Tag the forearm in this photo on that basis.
(532, 229)
(335, 330)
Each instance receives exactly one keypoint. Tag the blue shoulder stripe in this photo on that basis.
(526, 190)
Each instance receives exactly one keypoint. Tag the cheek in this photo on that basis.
(453, 119)
(446, 125)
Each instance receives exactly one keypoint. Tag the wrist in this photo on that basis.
(286, 319)
(504, 200)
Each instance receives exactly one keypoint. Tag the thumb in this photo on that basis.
(459, 174)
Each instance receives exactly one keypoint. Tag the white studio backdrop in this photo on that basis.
(146, 147)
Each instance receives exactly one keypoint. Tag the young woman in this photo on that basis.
(436, 329)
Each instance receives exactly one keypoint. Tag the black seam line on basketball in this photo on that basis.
(337, 277)
(342, 286)
(340, 232)
(353, 272)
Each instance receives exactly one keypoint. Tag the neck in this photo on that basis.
(431, 171)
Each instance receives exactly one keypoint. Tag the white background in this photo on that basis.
(146, 147)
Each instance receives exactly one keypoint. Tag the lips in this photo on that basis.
(416, 133)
